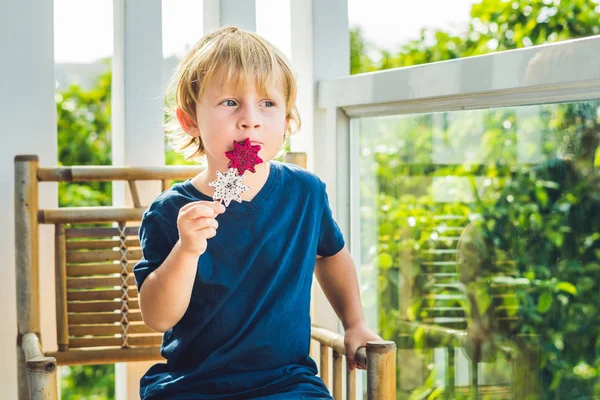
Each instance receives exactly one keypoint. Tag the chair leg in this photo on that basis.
(41, 370)
(22, 374)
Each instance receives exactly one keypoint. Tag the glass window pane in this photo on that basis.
(480, 248)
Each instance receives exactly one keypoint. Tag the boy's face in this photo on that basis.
(226, 113)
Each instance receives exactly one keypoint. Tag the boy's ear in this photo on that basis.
(187, 123)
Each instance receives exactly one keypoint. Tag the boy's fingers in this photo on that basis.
(198, 211)
(202, 223)
(204, 209)
(215, 205)
(204, 233)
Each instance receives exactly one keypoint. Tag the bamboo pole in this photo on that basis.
(112, 173)
(60, 268)
(324, 364)
(351, 385)
(135, 195)
(337, 375)
(41, 370)
(26, 258)
(381, 370)
(74, 215)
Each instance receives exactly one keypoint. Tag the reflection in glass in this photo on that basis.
(480, 249)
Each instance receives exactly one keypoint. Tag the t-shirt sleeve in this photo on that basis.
(156, 241)
(331, 240)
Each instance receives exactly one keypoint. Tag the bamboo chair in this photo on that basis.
(98, 319)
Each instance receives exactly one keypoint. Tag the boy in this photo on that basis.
(230, 287)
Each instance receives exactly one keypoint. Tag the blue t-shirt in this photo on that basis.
(246, 332)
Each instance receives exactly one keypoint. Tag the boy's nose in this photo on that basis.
(249, 119)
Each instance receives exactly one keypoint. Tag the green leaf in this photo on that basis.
(544, 302)
(566, 287)
(385, 261)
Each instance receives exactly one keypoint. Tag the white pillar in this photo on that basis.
(218, 13)
(315, 36)
(137, 121)
(320, 49)
(28, 115)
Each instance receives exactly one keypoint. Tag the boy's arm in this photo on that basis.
(338, 279)
(165, 294)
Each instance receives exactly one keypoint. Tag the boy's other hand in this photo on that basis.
(356, 337)
(197, 223)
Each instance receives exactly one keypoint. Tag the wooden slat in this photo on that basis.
(103, 173)
(77, 343)
(101, 255)
(100, 306)
(90, 283)
(107, 294)
(100, 244)
(75, 215)
(337, 375)
(102, 318)
(99, 232)
(106, 355)
(97, 269)
(104, 330)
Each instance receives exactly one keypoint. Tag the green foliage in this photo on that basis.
(88, 382)
(495, 25)
(84, 139)
(550, 231)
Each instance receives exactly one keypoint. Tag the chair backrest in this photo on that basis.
(98, 319)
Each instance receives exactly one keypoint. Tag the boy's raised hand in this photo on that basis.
(197, 223)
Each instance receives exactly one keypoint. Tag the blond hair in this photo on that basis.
(239, 55)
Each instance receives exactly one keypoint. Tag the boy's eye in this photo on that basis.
(269, 103)
(229, 103)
